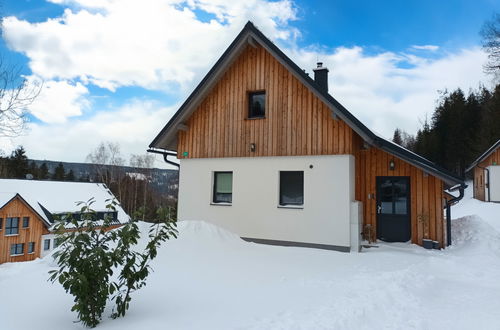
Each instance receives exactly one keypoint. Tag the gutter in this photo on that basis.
(487, 176)
(165, 156)
(449, 203)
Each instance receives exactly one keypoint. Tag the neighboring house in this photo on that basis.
(267, 153)
(487, 174)
(28, 209)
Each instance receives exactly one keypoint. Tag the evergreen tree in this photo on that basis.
(396, 138)
(59, 173)
(18, 164)
(43, 172)
(33, 170)
(70, 176)
(461, 128)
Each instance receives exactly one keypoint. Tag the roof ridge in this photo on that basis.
(251, 31)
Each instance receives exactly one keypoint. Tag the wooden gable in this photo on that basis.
(296, 121)
(479, 176)
(18, 208)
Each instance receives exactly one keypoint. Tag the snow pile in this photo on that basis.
(470, 231)
(204, 231)
(209, 278)
(488, 212)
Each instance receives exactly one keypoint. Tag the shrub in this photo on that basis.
(90, 253)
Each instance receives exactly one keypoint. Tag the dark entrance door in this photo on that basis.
(393, 208)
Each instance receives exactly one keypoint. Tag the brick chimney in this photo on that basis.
(321, 76)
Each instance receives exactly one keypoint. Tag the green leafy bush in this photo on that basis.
(90, 254)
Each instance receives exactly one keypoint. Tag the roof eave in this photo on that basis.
(485, 154)
(167, 137)
(420, 162)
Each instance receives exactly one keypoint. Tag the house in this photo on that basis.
(28, 209)
(266, 152)
(487, 174)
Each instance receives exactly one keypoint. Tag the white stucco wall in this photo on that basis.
(52, 238)
(254, 213)
(494, 183)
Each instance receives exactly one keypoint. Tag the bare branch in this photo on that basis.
(491, 44)
(16, 94)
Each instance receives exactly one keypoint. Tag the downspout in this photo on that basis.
(165, 156)
(461, 189)
(488, 177)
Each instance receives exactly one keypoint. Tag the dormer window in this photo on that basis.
(257, 104)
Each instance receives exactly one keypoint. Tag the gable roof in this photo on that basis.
(167, 138)
(7, 197)
(485, 155)
(53, 197)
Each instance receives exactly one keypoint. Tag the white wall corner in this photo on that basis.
(356, 225)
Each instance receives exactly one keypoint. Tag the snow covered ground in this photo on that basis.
(210, 279)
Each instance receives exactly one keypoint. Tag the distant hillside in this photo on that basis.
(162, 180)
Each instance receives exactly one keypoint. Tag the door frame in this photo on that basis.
(378, 179)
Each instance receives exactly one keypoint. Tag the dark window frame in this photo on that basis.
(26, 222)
(9, 228)
(282, 183)
(215, 200)
(31, 247)
(17, 248)
(251, 114)
(46, 244)
(1, 223)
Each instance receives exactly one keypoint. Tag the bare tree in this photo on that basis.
(100, 157)
(16, 94)
(491, 44)
(143, 164)
(107, 160)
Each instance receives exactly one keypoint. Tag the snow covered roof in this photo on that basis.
(57, 197)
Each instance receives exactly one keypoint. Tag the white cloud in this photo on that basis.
(385, 94)
(431, 48)
(133, 126)
(59, 100)
(163, 45)
(155, 44)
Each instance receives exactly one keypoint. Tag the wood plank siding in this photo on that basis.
(479, 175)
(296, 122)
(18, 208)
(426, 193)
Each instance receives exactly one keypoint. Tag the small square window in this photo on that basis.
(31, 247)
(223, 187)
(26, 222)
(46, 244)
(291, 188)
(12, 226)
(16, 249)
(257, 104)
(1, 223)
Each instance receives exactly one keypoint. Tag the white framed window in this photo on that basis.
(11, 226)
(16, 249)
(222, 187)
(291, 188)
(31, 247)
(46, 244)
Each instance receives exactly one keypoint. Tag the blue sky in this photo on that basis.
(118, 69)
